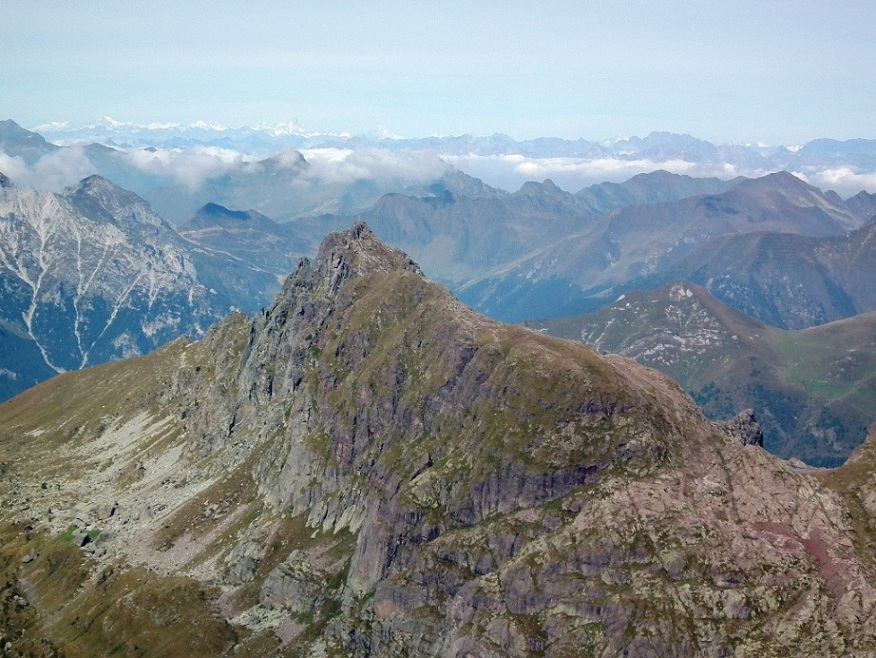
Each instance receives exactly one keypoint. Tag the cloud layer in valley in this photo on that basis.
(192, 166)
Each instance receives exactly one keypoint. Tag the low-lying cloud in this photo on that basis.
(190, 166)
(573, 174)
(344, 166)
(845, 181)
(52, 172)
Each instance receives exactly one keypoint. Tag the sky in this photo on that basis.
(739, 71)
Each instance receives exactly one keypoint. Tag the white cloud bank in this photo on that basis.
(52, 172)
(573, 174)
(191, 166)
(335, 165)
(845, 181)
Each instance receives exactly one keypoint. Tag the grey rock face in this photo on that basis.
(294, 585)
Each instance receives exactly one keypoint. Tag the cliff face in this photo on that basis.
(369, 468)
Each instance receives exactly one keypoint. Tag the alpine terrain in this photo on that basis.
(93, 274)
(787, 280)
(369, 468)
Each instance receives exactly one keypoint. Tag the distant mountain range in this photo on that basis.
(814, 391)
(787, 280)
(657, 146)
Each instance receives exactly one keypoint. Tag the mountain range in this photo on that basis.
(785, 279)
(369, 468)
(606, 256)
(814, 391)
(774, 247)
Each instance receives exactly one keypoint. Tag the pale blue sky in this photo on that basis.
(730, 71)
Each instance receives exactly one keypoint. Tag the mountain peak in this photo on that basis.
(16, 141)
(115, 203)
(357, 252)
(778, 179)
(96, 184)
(9, 128)
(216, 210)
(547, 186)
(5, 182)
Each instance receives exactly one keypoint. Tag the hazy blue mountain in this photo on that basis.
(863, 204)
(819, 152)
(587, 269)
(15, 141)
(655, 187)
(249, 236)
(786, 280)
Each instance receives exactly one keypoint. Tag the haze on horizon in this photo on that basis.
(778, 72)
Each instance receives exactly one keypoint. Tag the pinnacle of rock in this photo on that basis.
(357, 252)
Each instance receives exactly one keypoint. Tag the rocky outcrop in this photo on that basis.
(294, 586)
(744, 428)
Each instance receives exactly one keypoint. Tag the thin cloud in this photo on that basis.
(63, 168)
(15, 168)
(572, 174)
(52, 172)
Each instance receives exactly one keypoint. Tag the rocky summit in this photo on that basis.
(369, 468)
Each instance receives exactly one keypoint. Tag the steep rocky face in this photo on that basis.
(368, 468)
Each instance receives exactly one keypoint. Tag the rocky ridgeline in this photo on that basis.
(369, 468)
